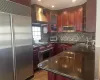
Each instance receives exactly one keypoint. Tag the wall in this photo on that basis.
(97, 46)
(74, 37)
(98, 24)
(91, 16)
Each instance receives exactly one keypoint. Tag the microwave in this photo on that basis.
(53, 38)
(69, 29)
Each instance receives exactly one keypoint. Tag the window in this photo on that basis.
(36, 33)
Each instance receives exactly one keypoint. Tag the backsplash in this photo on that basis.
(70, 37)
(45, 37)
(74, 37)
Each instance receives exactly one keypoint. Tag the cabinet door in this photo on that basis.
(35, 60)
(65, 20)
(59, 22)
(48, 18)
(51, 76)
(35, 57)
(24, 2)
(71, 19)
(79, 19)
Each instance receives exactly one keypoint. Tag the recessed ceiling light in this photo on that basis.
(73, 0)
(53, 6)
(39, 0)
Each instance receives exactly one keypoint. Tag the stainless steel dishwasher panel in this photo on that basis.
(6, 55)
(23, 46)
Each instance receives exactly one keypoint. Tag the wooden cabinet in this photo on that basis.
(58, 77)
(53, 22)
(47, 14)
(65, 18)
(58, 48)
(35, 57)
(52, 76)
(24, 2)
(59, 23)
(79, 19)
(70, 17)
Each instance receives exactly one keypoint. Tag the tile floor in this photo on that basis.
(41, 75)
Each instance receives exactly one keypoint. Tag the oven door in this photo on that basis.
(45, 54)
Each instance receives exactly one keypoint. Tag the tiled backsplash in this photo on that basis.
(45, 37)
(70, 37)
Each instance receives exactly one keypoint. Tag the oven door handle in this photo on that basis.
(46, 50)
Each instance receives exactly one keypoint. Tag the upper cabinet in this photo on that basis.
(53, 19)
(70, 17)
(23, 2)
(58, 19)
(78, 21)
(65, 18)
(59, 22)
(91, 16)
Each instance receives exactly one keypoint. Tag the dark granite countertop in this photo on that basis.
(39, 44)
(76, 64)
(68, 42)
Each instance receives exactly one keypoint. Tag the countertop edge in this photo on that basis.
(58, 73)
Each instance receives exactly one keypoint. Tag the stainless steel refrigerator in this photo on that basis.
(16, 52)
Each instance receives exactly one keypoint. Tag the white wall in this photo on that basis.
(97, 51)
(98, 24)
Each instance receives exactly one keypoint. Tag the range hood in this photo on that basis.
(38, 14)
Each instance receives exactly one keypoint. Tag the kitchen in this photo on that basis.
(49, 40)
(67, 32)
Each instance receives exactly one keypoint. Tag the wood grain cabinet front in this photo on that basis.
(65, 18)
(70, 17)
(52, 76)
(59, 22)
(58, 77)
(35, 57)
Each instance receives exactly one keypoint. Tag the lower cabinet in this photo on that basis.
(52, 76)
(61, 78)
(60, 48)
(35, 58)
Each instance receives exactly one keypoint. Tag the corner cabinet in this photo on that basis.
(23, 2)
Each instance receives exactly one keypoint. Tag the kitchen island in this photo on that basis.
(74, 64)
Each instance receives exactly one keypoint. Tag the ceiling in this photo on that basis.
(59, 4)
